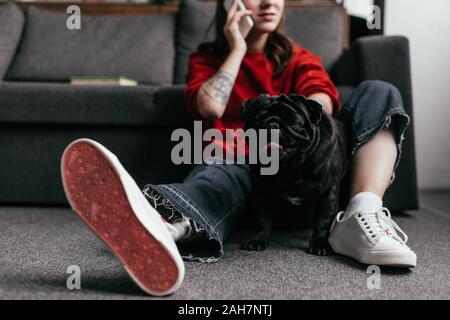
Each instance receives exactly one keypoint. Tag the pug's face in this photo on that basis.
(296, 118)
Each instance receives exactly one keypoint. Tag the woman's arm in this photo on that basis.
(325, 100)
(314, 82)
(213, 95)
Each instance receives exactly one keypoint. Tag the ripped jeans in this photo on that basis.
(214, 196)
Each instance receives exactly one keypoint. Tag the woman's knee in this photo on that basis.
(379, 87)
(378, 98)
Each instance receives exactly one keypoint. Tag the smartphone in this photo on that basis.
(246, 23)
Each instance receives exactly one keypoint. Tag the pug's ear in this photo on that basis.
(298, 98)
(250, 106)
(315, 110)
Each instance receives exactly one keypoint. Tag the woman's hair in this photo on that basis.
(278, 47)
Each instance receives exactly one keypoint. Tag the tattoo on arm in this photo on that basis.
(219, 87)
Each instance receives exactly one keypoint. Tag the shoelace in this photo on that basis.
(381, 223)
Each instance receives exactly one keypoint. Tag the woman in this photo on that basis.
(200, 212)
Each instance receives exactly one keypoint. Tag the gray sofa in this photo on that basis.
(40, 112)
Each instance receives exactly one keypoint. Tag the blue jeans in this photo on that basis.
(214, 196)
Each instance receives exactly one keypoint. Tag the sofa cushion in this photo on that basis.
(170, 97)
(194, 18)
(319, 29)
(59, 103)
(11, 24)
(139, 46)
(344, 93)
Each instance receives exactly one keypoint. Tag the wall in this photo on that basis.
(427, 25)
(358, 7)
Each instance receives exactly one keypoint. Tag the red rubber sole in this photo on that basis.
(96, 193)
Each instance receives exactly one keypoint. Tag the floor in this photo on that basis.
(37, 246)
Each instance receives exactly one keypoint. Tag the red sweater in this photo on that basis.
(304, 75)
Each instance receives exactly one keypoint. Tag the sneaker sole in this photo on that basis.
(100, 191)
(382, 258)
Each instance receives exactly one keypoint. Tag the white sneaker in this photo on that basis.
(108, 200)
(371, 238)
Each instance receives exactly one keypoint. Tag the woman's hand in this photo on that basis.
(231, 30)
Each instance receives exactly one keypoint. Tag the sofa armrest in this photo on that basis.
(377, 58)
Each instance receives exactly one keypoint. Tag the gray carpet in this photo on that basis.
(38, 244)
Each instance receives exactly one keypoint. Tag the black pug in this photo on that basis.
(312, 163)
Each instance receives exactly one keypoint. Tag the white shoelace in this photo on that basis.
(380, 223)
